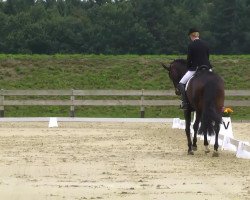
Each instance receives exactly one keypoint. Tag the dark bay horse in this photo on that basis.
(205, 93)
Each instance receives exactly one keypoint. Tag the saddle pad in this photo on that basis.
(186, 87)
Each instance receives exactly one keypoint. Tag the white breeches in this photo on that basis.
(187, 76)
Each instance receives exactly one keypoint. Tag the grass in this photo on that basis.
(108, 72)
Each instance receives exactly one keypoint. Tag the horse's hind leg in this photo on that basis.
(207, 150)
(187, 114)
(196, 127)
(216, 144)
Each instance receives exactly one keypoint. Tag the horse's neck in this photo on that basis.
(182, 70)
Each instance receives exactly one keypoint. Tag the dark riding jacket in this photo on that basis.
(198, 54)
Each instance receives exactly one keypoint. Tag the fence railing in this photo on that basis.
(73, 100)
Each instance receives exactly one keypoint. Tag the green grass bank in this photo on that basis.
(108, 72)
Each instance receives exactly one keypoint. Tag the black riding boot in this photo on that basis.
(184, 103)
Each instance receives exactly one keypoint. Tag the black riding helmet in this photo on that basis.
(192, 30)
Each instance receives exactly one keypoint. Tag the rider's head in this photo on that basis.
(193, 34)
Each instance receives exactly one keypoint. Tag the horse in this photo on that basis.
(205, 93)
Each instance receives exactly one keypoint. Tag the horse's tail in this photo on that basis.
(210, 115)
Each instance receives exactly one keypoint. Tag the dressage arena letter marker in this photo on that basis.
(226, 127)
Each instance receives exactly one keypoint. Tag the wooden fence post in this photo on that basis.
(1, 103)
(142, 107)
(72, 107)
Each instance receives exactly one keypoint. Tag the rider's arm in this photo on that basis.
(189, 61)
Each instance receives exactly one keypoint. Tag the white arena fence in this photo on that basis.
(226, 138)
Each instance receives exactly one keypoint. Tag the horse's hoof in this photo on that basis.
(215, 154)
(207, 150)
(194, 148)
(190, 153)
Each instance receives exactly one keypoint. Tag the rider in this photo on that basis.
(198, 55)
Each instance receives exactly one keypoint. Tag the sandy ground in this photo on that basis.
(130, 161)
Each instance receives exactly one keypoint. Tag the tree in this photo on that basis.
(13, 7)
(223, 24)
(122, 26)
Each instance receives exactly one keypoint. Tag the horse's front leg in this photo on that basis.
(187, 114)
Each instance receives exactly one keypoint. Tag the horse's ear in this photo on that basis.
(165, 66)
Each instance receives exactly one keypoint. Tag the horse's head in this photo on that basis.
(176, 71)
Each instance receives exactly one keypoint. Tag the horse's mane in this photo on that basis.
(181, 61)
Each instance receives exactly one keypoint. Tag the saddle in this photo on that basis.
(203, 67)
(199, 69)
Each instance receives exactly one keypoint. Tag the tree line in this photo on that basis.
(122, 26)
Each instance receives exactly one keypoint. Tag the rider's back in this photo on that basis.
(199, 54)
